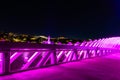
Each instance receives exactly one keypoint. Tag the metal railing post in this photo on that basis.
(76, 54)
(6, 61)
(54, 57)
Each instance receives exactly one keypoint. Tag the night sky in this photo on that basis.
(72, 19)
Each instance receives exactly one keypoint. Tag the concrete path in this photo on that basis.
(101, 68)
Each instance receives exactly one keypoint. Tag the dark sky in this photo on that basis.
(73, 19)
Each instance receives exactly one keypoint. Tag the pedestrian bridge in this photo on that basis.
(15, 57)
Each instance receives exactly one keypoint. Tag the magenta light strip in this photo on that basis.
(67, 56)
(74, 56)
(93, 53)
(14, 56)
(85, 54)
(37, 55)
(71, 56)
(43, 57)
(25, 56)
(1, 63)
(80, 53)
(31, 59)
(61, 52)
(51, 58)
(60, 55)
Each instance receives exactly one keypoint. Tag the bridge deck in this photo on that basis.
(100, 68)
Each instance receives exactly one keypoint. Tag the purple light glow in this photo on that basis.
(71, 56)
(99, 68)
(43, 57)
(68, 56)
(85, 54)
(61, 52)
(31, 59)
(1, 63)
(49, 42)
(14, 56)
(36, 55)
(51, 57)
(26, 58)
(93, 53)
(25, 55)
(74, 56)
(79, 54)
(77, 44)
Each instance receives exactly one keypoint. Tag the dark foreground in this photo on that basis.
(101, 68)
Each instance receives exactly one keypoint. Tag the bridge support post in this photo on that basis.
(54, 56)
(107, 52)
(96, 52)
(88, 55)
(6, 61)
(101, 53)
(75, 56)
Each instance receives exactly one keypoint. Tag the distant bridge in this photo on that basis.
(16, 57)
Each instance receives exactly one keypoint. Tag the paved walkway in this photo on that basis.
(101, 68)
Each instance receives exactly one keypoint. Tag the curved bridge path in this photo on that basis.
(99, 68)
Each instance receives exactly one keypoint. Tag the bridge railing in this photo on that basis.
(16, 57)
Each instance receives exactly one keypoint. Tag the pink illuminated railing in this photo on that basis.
(16, 57)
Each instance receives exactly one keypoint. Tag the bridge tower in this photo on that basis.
(48, 41)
